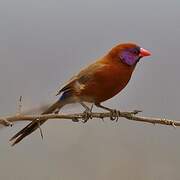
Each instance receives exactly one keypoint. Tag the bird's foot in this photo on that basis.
(114, 115)
(87, 114)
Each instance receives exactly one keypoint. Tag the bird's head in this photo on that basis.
(128, 53)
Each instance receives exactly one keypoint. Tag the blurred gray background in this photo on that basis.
(43, 43)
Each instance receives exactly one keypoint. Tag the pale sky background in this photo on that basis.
(43, 43)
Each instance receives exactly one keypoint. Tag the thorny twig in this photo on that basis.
(132, 116)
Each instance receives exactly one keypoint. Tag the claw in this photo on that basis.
(87, 114)
(114, 115)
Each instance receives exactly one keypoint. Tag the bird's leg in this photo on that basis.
(87, 113)
(114, 113)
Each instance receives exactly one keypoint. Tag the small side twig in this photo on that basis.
(19, 105)
(5, 122)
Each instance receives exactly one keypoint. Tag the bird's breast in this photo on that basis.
(106, 83)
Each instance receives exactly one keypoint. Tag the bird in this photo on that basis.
(96, 83)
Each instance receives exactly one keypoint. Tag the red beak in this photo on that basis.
(144, 52)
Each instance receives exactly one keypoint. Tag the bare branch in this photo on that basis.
(7, 121)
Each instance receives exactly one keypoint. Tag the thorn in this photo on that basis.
(136, 111)
(41, 133)
(102, 119)
(75, 119)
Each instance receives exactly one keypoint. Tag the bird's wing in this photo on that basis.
(82, 77)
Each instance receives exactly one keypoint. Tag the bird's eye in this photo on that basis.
(135, 50)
